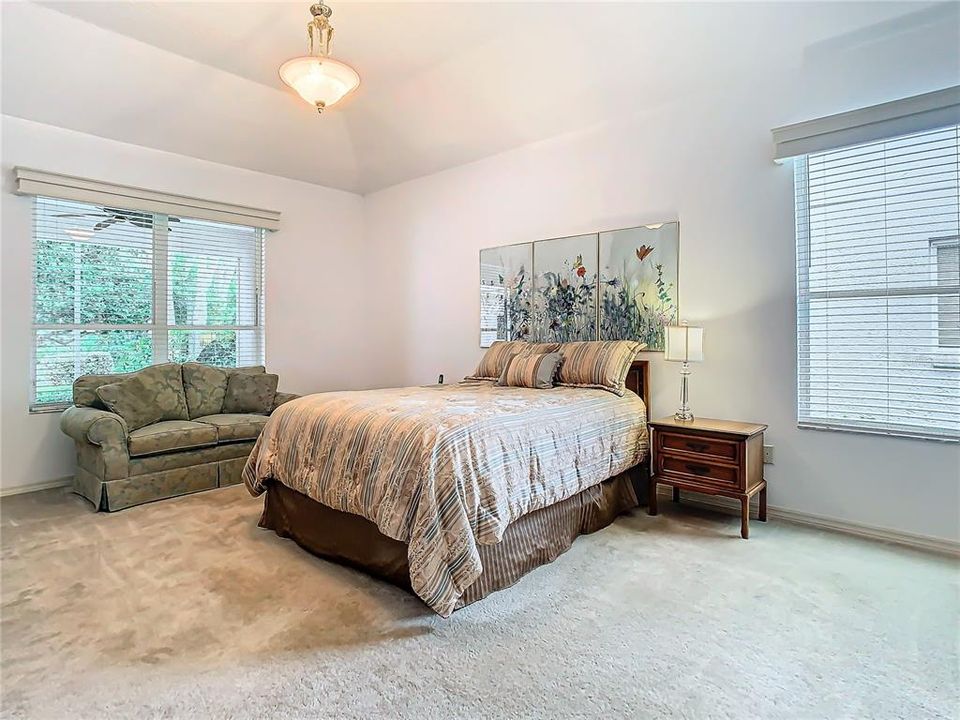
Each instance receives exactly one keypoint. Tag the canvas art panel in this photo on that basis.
(639, 275)
(506, 288)
(565, 289)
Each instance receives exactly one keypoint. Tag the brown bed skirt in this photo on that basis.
(529, 542)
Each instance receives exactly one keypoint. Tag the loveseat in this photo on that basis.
(166, 430)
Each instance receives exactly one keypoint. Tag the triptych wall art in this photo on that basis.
(615, 285)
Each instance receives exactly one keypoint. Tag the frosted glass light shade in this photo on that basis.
(321, 81)
(683, 343)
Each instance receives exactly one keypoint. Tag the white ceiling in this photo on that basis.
(443, 83)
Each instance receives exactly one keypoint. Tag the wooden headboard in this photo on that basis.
(638, 380)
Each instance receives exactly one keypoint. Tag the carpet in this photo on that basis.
(185, 609)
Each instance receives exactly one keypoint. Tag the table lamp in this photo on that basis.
(683, 344)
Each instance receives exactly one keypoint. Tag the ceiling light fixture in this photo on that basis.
(317, 77)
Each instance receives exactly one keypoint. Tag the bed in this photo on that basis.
(451, 491)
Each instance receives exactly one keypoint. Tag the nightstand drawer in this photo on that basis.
(699, 470)
(726, 450)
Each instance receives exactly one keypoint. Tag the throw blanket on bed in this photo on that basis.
(446, 468)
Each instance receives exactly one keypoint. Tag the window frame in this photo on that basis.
(945, 358)
(161, 297)
(949, 353)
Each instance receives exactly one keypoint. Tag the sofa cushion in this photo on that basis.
(205, 386)
(170, 436)
(85, 388)
(250, 393)
(154, 393)
(232, 427)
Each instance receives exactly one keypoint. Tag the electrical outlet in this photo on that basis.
(768, 454)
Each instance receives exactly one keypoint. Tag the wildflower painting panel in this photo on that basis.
(506, 288)
(565, 289)
(639, 274)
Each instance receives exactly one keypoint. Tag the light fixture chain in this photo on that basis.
(319, 30)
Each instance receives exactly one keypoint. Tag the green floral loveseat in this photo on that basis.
(166, 430)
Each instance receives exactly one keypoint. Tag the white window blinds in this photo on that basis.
(493, 298)
(116, 290)
(878, 286)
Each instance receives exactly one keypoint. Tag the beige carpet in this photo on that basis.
(185, 608)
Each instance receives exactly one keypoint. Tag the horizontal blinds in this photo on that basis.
(879, 286)
(116, 290)
(930, 111)
(492, 305)
(68, 187)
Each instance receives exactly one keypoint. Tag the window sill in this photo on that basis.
(47, 409)
(892, 433)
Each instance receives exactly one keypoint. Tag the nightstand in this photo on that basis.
(715, 457)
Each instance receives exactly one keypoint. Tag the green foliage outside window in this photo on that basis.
(87, 282)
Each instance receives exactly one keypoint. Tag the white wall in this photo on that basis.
(314, 332)
(707, 161)
(397, 302)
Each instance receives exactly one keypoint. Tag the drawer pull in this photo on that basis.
(698, 469)
(698, 447)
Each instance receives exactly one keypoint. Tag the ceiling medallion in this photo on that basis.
(317, 77)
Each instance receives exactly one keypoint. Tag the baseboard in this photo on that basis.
(731, 507)
(35, 487)
(898, 537)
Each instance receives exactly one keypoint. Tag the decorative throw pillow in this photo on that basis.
(205, 386)
(248, 393)
(531, 371)
(152, 394)
(541, 348)
(495, 360)
(600, 364)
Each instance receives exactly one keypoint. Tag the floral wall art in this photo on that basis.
(614, 285)
(638, 283)
(506, 286)
(565, 289)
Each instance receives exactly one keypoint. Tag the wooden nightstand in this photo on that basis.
(715, 457)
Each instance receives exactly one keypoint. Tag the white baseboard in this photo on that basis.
(34, 487)
(730, 506)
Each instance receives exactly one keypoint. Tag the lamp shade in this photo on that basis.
(683, 343)
(321, 81)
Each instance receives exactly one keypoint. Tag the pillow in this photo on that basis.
(542, 348)
(495, 360)
(531, 371)
(248, 393)
(152, 394)
(600, 364)
(205, 386)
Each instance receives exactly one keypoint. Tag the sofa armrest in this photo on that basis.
(98, 427)
(106, 432)
(281, 397)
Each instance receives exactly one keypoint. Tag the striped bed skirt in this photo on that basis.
(529, 542)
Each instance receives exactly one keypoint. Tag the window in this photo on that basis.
(116, 290)
(947, 262)
(878, 286)
(493, 298)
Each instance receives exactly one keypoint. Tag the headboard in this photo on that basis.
(638, 380)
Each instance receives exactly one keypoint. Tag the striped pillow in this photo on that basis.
(541, 348)
(530, 370)
(495, 360)
(602, 364)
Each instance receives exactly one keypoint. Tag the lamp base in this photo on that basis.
(684, 414)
